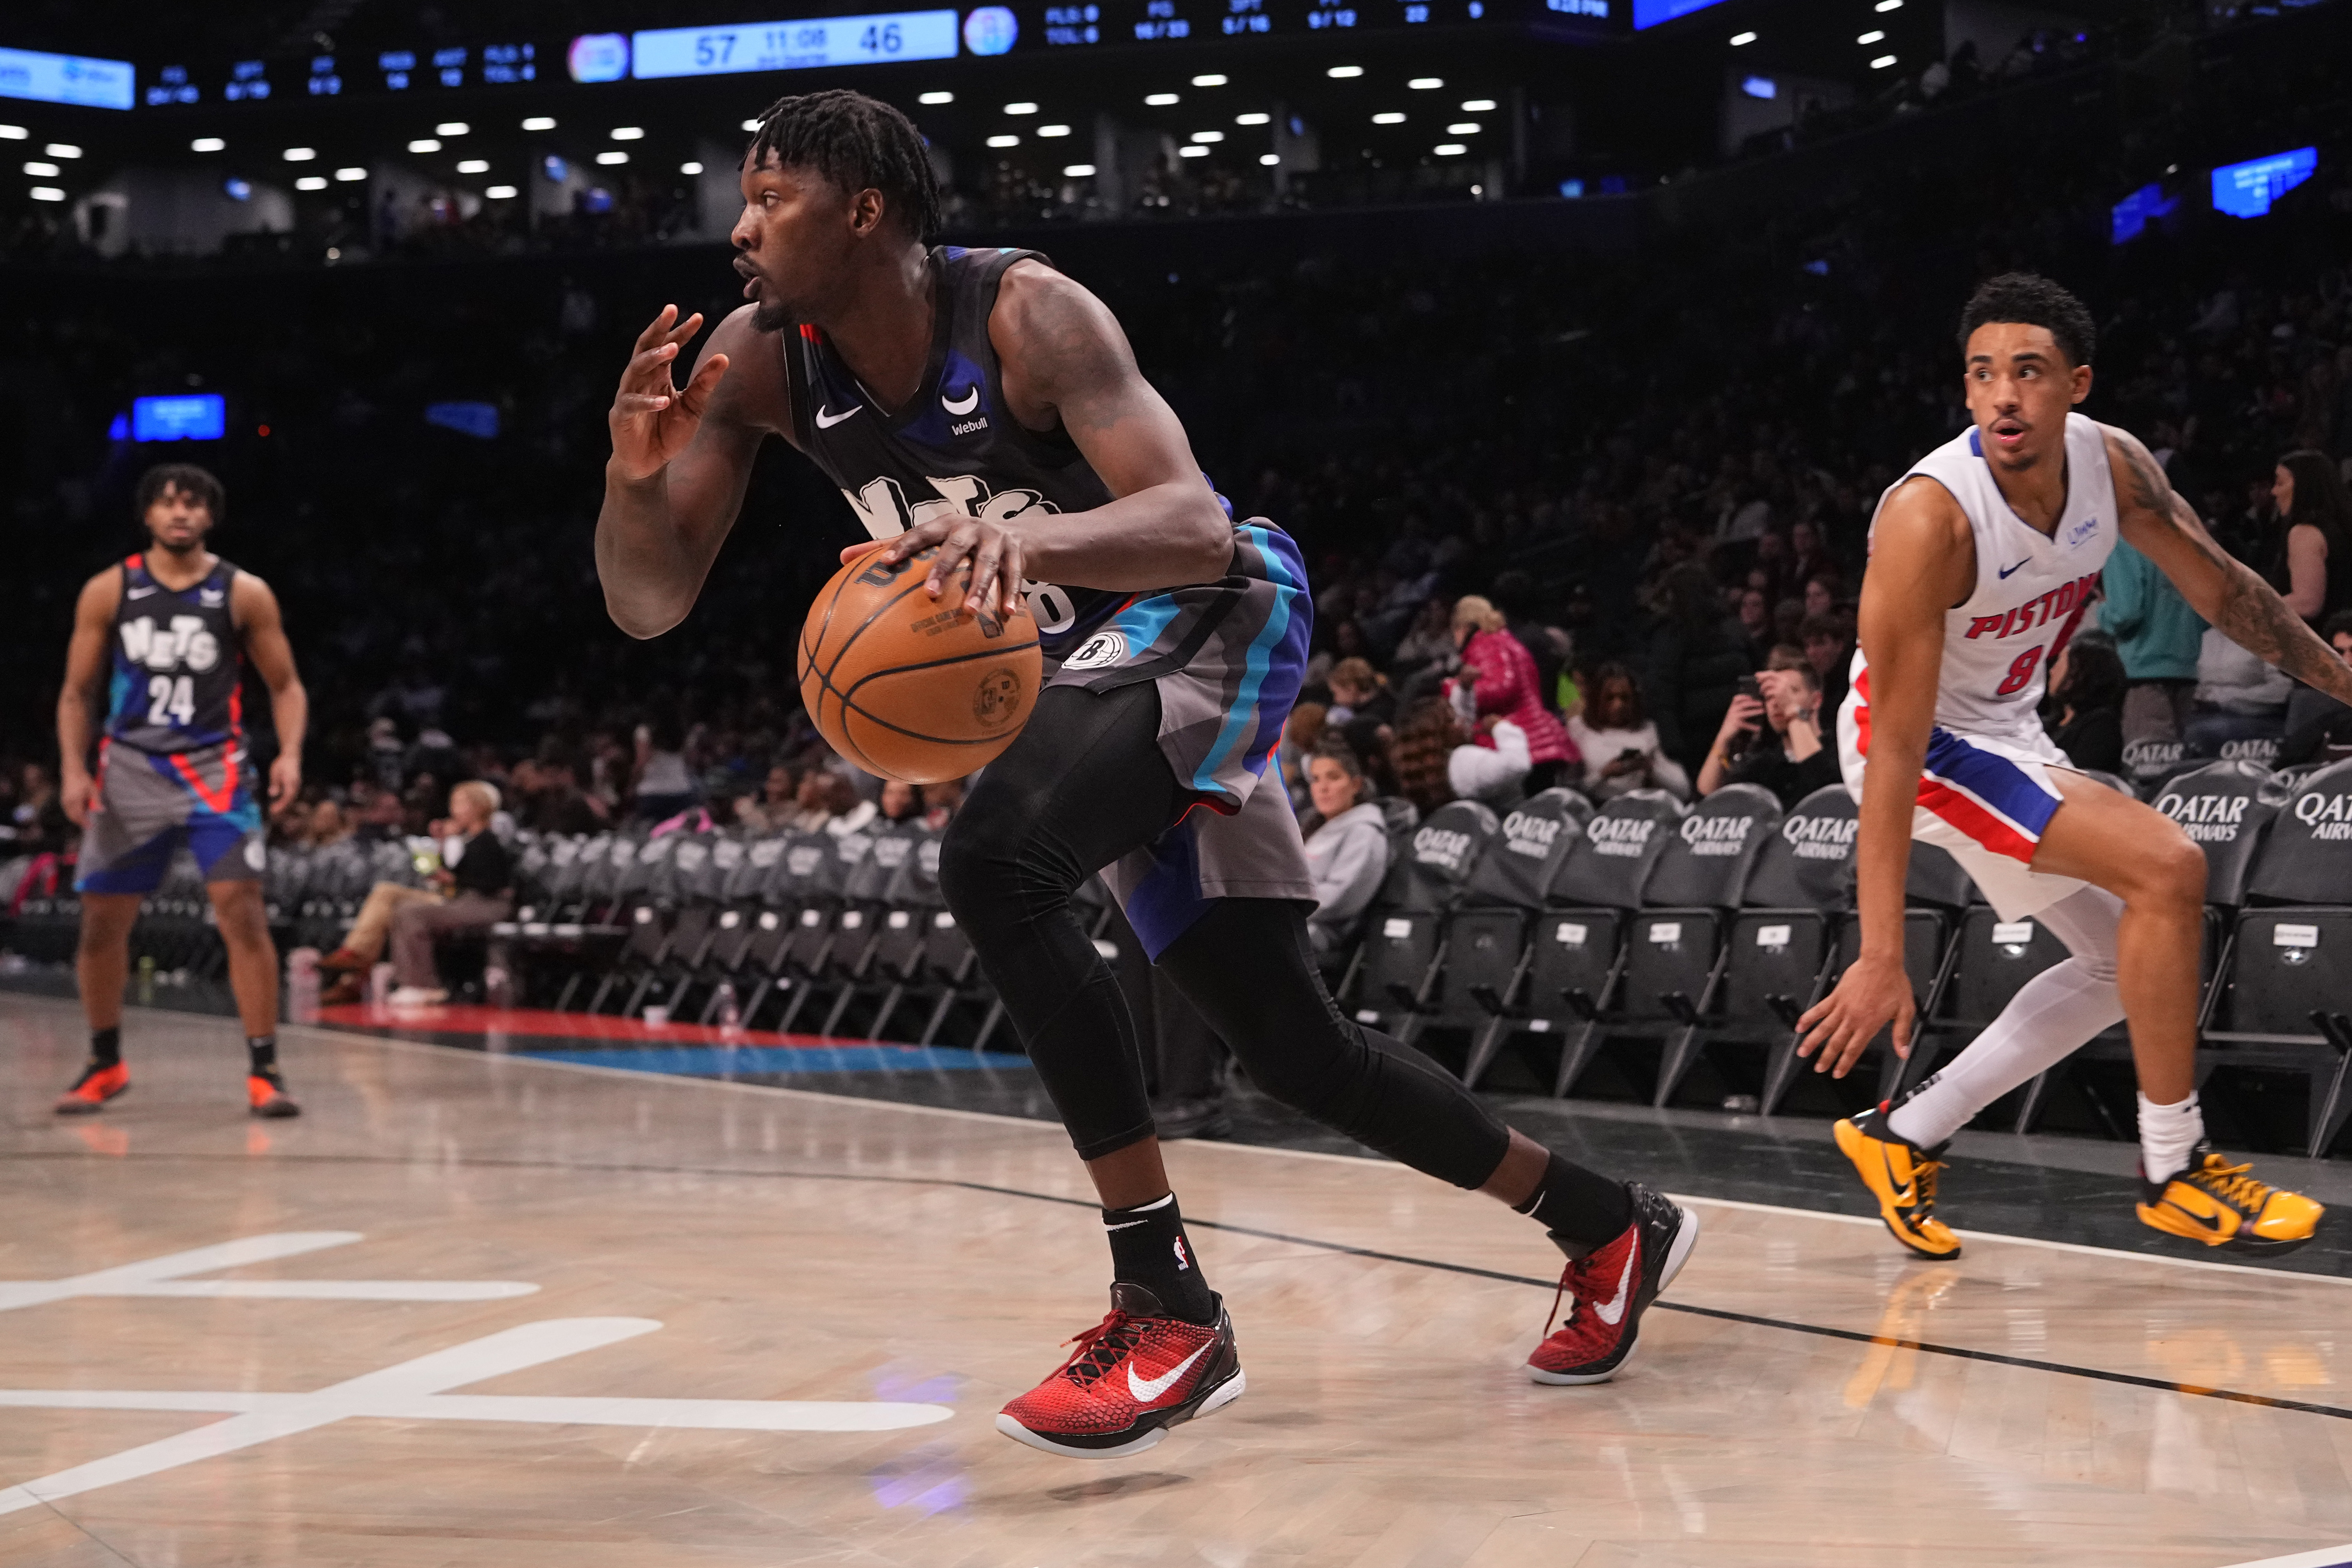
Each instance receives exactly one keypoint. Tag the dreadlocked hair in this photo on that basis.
(858, 143)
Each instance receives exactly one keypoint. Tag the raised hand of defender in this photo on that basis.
(1871, 994)
(652, 419)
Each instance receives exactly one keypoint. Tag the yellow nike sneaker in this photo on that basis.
(2217, 1203)
(1901, 1178)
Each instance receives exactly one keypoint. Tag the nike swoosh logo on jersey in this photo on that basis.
(2018, 567)
(1610, 1311)
(138, 593)
(970, 401)
(826, 418)
(1148, 1389)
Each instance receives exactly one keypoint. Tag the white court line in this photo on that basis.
(2326, 1557)
(162, 1276)
(413, 1390)
(2109, 1253)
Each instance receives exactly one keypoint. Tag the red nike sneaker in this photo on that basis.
(94, 1088)
(1612, 1286)
(1134, 1375)
(267, 1097)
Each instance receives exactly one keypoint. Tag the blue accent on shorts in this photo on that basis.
(1168, 899)
(1274, 665)
(211, 835)
(719, 1061)
(1993, 779)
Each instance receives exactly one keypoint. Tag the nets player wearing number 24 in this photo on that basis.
(169, 629)
(1984, 558)
(982, 411)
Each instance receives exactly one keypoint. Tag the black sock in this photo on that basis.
(106, 1046)
(1579, 1205)
(1148, 1248)
(263, 1050)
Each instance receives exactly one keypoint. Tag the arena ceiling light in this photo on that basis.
(1872, 36)
(1882, 62)
(1004, 141)
(1208, 136)
(474, 166)
(46, 194)
(613, 158)
(1252, 119)
(62, 150)
(689, 168)
(1161, 100)
(628, 133)
(1053, 131)
(1740, 41)
(46, 171)
(311, 183)
(935, 98)
(351, 175)
(422, 144)
(751, 125)
(1449, 148)
(1077, 171)
(304, 155)
(1269, 159)
(500, 193)
(539, 123)
(1389, 116)
(1477, 105)
(1888, 5)
(1341, 73)
(1022, 108)
(1463, 128)
(1211, 80)
(12, 133)
(1191, 152)
(1426, 83)
(207, 144)
(451, 128)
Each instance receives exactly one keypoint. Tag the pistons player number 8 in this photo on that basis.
(2020, 672)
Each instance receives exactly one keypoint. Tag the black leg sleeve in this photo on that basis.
(1084, 785)
(1248, 966)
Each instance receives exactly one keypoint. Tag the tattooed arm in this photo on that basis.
(2224, 590)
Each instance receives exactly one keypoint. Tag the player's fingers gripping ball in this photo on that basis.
(904, 685)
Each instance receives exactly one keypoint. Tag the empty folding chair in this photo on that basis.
(1936, 893)
(1782, 948)
(1396, 969)
(1676, 954)
(1487, 937)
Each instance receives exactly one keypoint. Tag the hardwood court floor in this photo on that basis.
(554, 1315)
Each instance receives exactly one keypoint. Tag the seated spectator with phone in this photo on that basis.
(1791, 760)
(474, 892)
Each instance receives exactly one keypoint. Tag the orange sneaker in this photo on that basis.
(268, 1096)
(94, 1088)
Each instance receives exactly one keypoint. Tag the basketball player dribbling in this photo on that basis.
(1983, 560)
(172, 627)
(980, 406)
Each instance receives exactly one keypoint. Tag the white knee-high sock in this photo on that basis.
(2052, 1017)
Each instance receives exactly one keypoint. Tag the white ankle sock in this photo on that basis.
(2052, 1017)
(2167, 1134)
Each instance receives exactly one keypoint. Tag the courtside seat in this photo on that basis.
(1487, 936)
(1395, 971)
(1782, 947)
(1676, 954)
(1936, 892)
(2285, 979)
(1576, 955)
(866, 889)
(641, 955)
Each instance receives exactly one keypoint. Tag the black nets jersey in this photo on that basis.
(178, 663)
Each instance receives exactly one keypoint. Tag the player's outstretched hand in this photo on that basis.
(1840, 1027)
(652, 419)
(994, 549)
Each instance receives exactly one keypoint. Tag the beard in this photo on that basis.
(770, 314)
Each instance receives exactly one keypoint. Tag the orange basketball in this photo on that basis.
(903, 685)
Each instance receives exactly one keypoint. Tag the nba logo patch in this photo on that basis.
(1098, 652)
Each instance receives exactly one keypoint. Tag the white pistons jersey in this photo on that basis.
(2031, 588)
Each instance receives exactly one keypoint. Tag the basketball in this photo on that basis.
(903, 684)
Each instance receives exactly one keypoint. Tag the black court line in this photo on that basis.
(1856, 1336)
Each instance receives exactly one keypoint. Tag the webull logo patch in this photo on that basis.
(1532, 836)
(1626, 837)
(1444, 846)
(1821, 838)
(1717, 835)
(2329, 817)
(2206, 818)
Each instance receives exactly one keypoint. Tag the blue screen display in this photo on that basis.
(2145, 205)
(66, 79)
(479, 420)
(2248, 189)
(1651, 13)
(196, 416)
